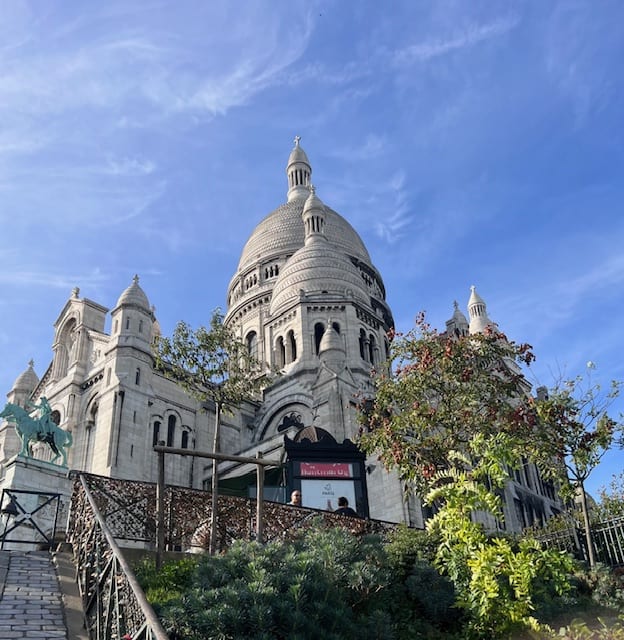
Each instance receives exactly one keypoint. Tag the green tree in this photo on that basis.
(611, 499)
(213, 366)
(498, 581)
(443, 391)
(576, 430)
(452, 419)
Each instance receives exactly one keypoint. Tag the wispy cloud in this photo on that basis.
(469, 37)
(390, 226)
(130, 167)
(582, 49)
(16, 277)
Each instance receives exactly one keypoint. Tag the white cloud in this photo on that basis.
(130, 167)
(474, 34)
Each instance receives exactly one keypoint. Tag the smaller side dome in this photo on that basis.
(134, 295)
(318, 268)
(457, 325)
(331, 340)
(331, 349)
(27, 381)
(477, 309)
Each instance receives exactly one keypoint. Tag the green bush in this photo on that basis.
(170, 582)
(603, 586)
(328, 583)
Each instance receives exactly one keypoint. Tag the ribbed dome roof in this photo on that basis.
(282, 232)
(134, 295)
(26, 381)
(318, 267)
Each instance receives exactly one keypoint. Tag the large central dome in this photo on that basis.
(281, 232)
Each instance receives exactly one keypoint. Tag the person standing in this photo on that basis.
(344, 509)
(295, 498)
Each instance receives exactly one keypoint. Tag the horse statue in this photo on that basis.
(38, 430)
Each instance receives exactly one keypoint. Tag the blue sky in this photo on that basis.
(467, 142)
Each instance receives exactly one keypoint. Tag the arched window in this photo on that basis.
(319, 330)
(185, 439)
(156, 434)
(252, 344)
(363, 350)
(372, 348)
(291, 347)
(137, 376)
(280, 352)
(171, 424)
(336, 327)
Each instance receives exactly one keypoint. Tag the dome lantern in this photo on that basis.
(298, 171)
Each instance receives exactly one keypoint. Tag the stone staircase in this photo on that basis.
(39, 597)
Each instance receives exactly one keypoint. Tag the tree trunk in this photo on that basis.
(212, 548)
(587, 526)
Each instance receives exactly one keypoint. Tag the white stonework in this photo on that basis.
(306, 298)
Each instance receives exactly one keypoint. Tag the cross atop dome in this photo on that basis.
(297, 139)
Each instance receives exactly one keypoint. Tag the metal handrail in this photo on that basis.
(152, 627)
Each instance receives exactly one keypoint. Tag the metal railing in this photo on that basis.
(114, 604)
(106, 512)
(607, 536)
(30, 517)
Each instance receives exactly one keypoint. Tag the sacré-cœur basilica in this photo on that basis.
(306, 298)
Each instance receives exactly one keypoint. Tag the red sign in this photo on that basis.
(325, 469)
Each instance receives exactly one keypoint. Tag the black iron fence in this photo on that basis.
(107, 513)
(29, 517)
(607, 536)
(114, 604)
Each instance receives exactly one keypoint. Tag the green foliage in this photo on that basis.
(603, 585)
(497, 581)
(419, 593)
(452, 420)
(611, 500)
(406, 545)
(575, 429)
(169, 582)
(580, 630)
(210, 363)
(329, 581)
(444, 391)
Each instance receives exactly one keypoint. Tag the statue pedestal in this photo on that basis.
(41, 480)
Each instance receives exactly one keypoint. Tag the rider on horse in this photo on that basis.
(45, 418)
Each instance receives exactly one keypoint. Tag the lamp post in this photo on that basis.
(9, 511)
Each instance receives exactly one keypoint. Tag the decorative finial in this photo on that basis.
(75, 291)
(472, 288)
(31, 363)
(297, 138)
(455, 305)
(312, 190)
(135, 280)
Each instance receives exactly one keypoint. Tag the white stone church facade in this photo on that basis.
(306, 298)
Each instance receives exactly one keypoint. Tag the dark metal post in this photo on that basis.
(260, 501)
(160, 510)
